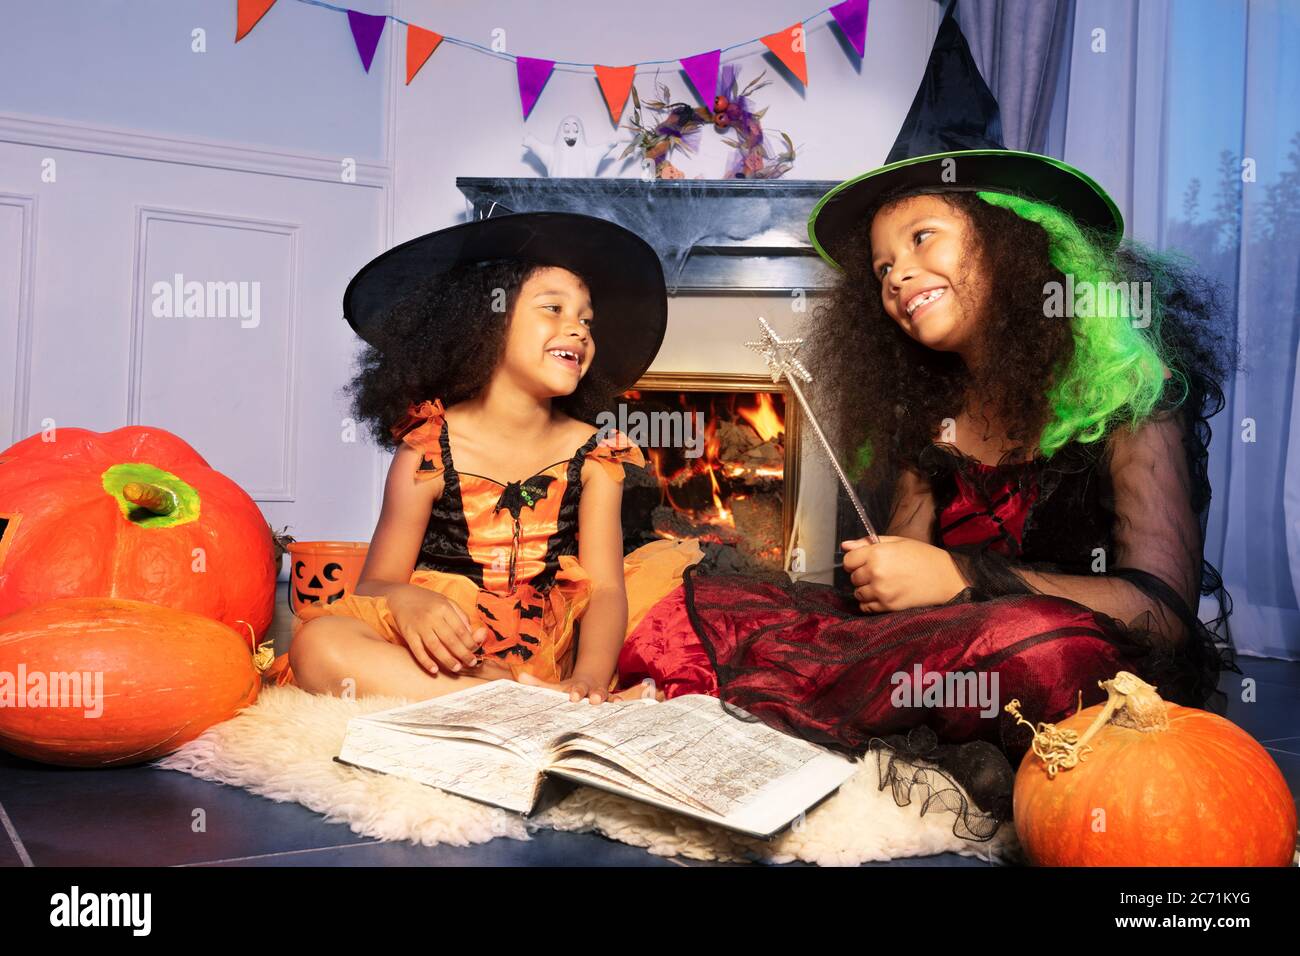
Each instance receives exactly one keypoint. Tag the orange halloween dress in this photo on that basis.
(506, 554)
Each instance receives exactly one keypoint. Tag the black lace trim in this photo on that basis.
(941, 775)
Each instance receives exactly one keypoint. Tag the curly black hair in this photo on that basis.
(444, 340)
(891, 392)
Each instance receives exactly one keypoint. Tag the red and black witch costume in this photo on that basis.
(1078, 566)
(1027, 538)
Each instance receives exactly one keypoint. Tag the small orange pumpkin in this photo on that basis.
(323, 572)
(1141, 782)
(98, 682)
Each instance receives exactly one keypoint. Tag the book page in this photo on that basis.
(690, 745)
(584, 766)
(477, 771)
(522, 718)
(579, 747)
(687, 754)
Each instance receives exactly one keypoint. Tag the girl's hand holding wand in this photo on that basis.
(889, 573)
(898, 573)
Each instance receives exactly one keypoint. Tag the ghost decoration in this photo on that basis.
(569, 155)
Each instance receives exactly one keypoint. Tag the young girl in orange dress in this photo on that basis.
(499, 551)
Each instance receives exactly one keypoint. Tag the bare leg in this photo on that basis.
(328, 651)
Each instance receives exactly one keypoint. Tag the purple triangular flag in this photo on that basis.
(851, 15)
(366, 29)
(703, 72)
(533, 75)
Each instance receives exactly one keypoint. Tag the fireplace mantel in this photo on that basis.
(713, 236)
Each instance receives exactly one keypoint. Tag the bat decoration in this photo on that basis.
(519, 495)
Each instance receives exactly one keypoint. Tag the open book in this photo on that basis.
(497, 742)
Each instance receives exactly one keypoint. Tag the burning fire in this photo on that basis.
(723, 515)
(706, 465)
(739, 468)
(711, 445)
(763, 417)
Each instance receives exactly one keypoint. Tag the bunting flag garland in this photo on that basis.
(851, 15)
(615, 82)
(366, 29)
(533, 74)
(247, 14)
(788, 45)
(420, 44)
(702, 69)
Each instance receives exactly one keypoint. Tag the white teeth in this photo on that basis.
(928, 297)
(560, 353)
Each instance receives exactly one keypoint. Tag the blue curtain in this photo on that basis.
(1187, 113)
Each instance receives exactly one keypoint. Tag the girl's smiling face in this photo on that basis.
(552, 316)
(917, 246)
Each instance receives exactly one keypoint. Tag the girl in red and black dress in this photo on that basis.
(1039, 472)
(1039, 482)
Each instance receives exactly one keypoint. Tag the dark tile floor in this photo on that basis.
(145, 817)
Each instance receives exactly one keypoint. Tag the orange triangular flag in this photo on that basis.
(615, 83)
(420, 44)
(247, 15)
(788, 45)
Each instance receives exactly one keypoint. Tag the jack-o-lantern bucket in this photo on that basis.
(322, 572)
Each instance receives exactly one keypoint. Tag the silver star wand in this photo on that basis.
(779, 354)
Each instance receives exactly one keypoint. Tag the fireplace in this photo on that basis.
(722, 464)
(756, 499)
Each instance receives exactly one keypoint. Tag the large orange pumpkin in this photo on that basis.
(1141, 782)
(134, 513)
(98, 682)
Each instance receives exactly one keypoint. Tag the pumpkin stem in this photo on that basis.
(151, 497)
(1131, 702)
(264, 653)
(1058, 749)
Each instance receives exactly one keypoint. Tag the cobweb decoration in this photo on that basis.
(673, 216)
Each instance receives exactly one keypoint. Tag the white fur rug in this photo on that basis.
(283, 746)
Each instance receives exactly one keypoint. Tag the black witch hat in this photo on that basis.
(622, 271)
(952, 140)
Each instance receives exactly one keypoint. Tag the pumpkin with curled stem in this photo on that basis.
(1138, 781)
(134, 513)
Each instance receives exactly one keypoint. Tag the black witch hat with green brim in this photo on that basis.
(952, 140)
